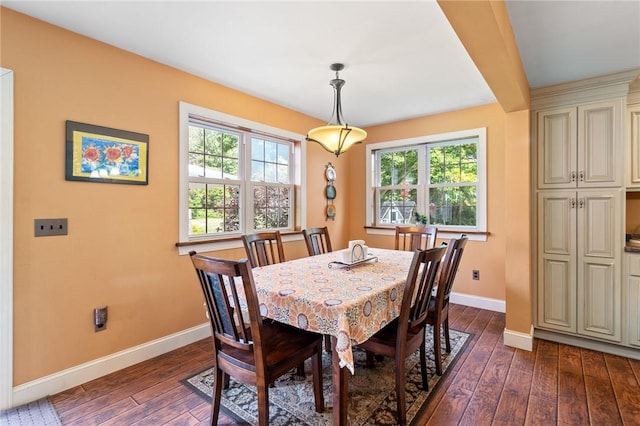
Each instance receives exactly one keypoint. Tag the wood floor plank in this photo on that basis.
(545, 372)
(512, 407)
(540, 411)
(486, 396)
(603, 408)
(572, 398)
(625, 387)
(142, 411)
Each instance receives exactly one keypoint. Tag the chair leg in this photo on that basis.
(218, 383)
(447, 342)
(400, 392)
(262, 389)
(423, 367)
(226, 380)
(316, 364)
(327, 343)
(370, 356)
(437, 347)
(300, 370)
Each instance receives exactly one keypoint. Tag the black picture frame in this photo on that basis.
(105, 155)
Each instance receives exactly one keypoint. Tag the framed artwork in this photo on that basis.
(102, 154)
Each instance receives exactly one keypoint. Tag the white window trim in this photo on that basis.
(480, 133)
(300, 178)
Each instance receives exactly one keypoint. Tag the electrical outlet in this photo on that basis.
(100, 318)
(476, 274)
(50, 227)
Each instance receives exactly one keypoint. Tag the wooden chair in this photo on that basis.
(264, 248)
(318, 241)
(439, 306)
(406, 334)
(250, 350)
(415, 237)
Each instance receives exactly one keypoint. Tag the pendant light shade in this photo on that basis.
(336, 137)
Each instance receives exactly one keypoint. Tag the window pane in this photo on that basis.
(257, 149)
(453, 206)
(196, 164)
(397, 206)
(283, 173)
(270, 172)
(270, 151)
(213, 208)
(257, 171)
(397, 168)
(283, 154)
(271, 207)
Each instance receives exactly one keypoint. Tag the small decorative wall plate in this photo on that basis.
(330, 173)
(331, 211)
(330, 191)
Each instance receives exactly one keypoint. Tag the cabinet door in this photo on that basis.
(600, 144)
(599, 282)
(633, 145)
(557, 148)
(633, 306)
(556, 298)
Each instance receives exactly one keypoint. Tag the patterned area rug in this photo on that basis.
(37, 413)
(372, 399)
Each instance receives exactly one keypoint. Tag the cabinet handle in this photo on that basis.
(572, 203)
(581, 203)
(573, 176)
(581, 174)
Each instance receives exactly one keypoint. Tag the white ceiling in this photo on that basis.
(402, 59)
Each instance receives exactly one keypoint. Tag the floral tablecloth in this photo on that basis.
(351, 304)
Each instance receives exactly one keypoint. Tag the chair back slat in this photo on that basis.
(415, 237)
(317, 240)
(226, 285)
(264, 248)
(418, 288)
(455, 249)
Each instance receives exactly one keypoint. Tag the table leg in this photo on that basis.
(340, 379)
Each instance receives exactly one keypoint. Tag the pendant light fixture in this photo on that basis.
(336, 137)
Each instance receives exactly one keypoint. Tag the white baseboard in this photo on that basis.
(91, 370)
(494, 305)
(519, 340)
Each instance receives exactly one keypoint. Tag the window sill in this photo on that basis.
(228, 243)
(443, 233)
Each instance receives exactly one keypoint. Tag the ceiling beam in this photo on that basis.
(485, 31)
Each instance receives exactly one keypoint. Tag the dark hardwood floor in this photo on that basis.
(491, 384)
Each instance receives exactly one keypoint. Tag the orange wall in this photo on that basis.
(120, 250)
(488, 257)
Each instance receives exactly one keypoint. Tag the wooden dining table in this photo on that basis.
(349, 303)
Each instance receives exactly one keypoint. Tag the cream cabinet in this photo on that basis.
(633, 299)
(633, 145)
(580, 146)
(579, 241)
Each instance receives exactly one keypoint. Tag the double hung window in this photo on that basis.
(234, 179)
(438, 180)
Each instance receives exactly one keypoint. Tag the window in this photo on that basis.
(237, 176)
(438, 179)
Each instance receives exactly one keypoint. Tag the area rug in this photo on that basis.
(37, 413)
(372, 399)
